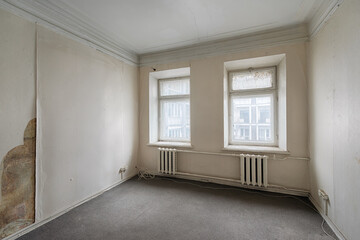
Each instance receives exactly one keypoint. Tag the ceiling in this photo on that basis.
(152, 25)
(147, 26)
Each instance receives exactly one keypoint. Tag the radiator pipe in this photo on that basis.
(238, 181)
(238, 154)
(204, 176)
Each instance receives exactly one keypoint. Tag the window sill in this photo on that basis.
(170, 144)
(256, 149)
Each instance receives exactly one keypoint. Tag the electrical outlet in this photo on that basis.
(122, 170)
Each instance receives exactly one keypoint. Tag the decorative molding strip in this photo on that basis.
(212, 38)
(49, 15)
(262, 39)
(42, 222)
(332, 225)
(327, 9)
(56, 17)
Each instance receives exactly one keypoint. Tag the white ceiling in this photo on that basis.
(136, 27)
(146, 26)
(153, 25)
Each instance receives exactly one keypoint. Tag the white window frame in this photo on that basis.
(272, 91)
(172, 97)
(153, 113)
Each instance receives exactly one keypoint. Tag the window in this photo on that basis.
(252, 107)
(174, 109)
(169, 108)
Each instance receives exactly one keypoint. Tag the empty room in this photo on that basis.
(179, 119)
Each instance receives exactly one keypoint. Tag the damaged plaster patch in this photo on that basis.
(17, 205)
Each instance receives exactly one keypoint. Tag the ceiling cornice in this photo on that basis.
(250, 41)
(50, 15)
(327, 9)
(47, 14)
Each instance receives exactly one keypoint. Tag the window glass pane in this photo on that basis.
(175, 119)
(254, 79)
(174, 87)
(252, 118)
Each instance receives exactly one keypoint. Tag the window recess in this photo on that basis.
(174, 109)
(252, 107)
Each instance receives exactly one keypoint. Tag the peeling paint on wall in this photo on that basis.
(17, 205)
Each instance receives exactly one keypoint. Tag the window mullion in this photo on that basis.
(173, 114)
(261, 109)
(174, 97)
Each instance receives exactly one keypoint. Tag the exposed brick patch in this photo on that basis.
(17, 206)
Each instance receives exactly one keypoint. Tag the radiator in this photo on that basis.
(167, 161)
(253, 170)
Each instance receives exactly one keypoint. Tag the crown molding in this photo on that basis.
(262, 39)
(55, 17)
(49, 15)
(211, 38)
(326, 10)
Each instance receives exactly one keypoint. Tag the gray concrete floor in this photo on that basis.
(163, 209)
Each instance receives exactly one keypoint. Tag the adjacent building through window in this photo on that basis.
(255, 104)
(169, 107)
(174, 102)
(252, 106)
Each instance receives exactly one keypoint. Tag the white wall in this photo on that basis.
(88, 122)
(207, 132)
(334, 100)
(17, 80)
(87, 112)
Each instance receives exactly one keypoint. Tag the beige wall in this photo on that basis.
(207, 132)
(87, 112)
(17, 109)
(334, 118)
(88, 121)
(17, 79)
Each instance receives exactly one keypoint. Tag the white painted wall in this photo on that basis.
(88, 122)
(207, 134)
(87, 112)
(334, 116)
(17, 80)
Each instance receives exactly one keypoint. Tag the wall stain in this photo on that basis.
(17, 205)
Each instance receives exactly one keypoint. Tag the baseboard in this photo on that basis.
(288, 191)
(332, 225)
(200, 179)
(295, 192)
(42, 222)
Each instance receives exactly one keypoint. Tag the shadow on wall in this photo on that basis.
(17, 205)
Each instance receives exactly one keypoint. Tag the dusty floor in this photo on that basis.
(164, 209)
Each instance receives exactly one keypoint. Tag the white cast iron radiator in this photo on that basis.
(253, 170)
(167, 161)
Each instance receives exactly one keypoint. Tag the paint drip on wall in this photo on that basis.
(17, 202)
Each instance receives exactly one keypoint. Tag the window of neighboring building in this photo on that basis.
(252, 107)
(169, 108)
(174, 109)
